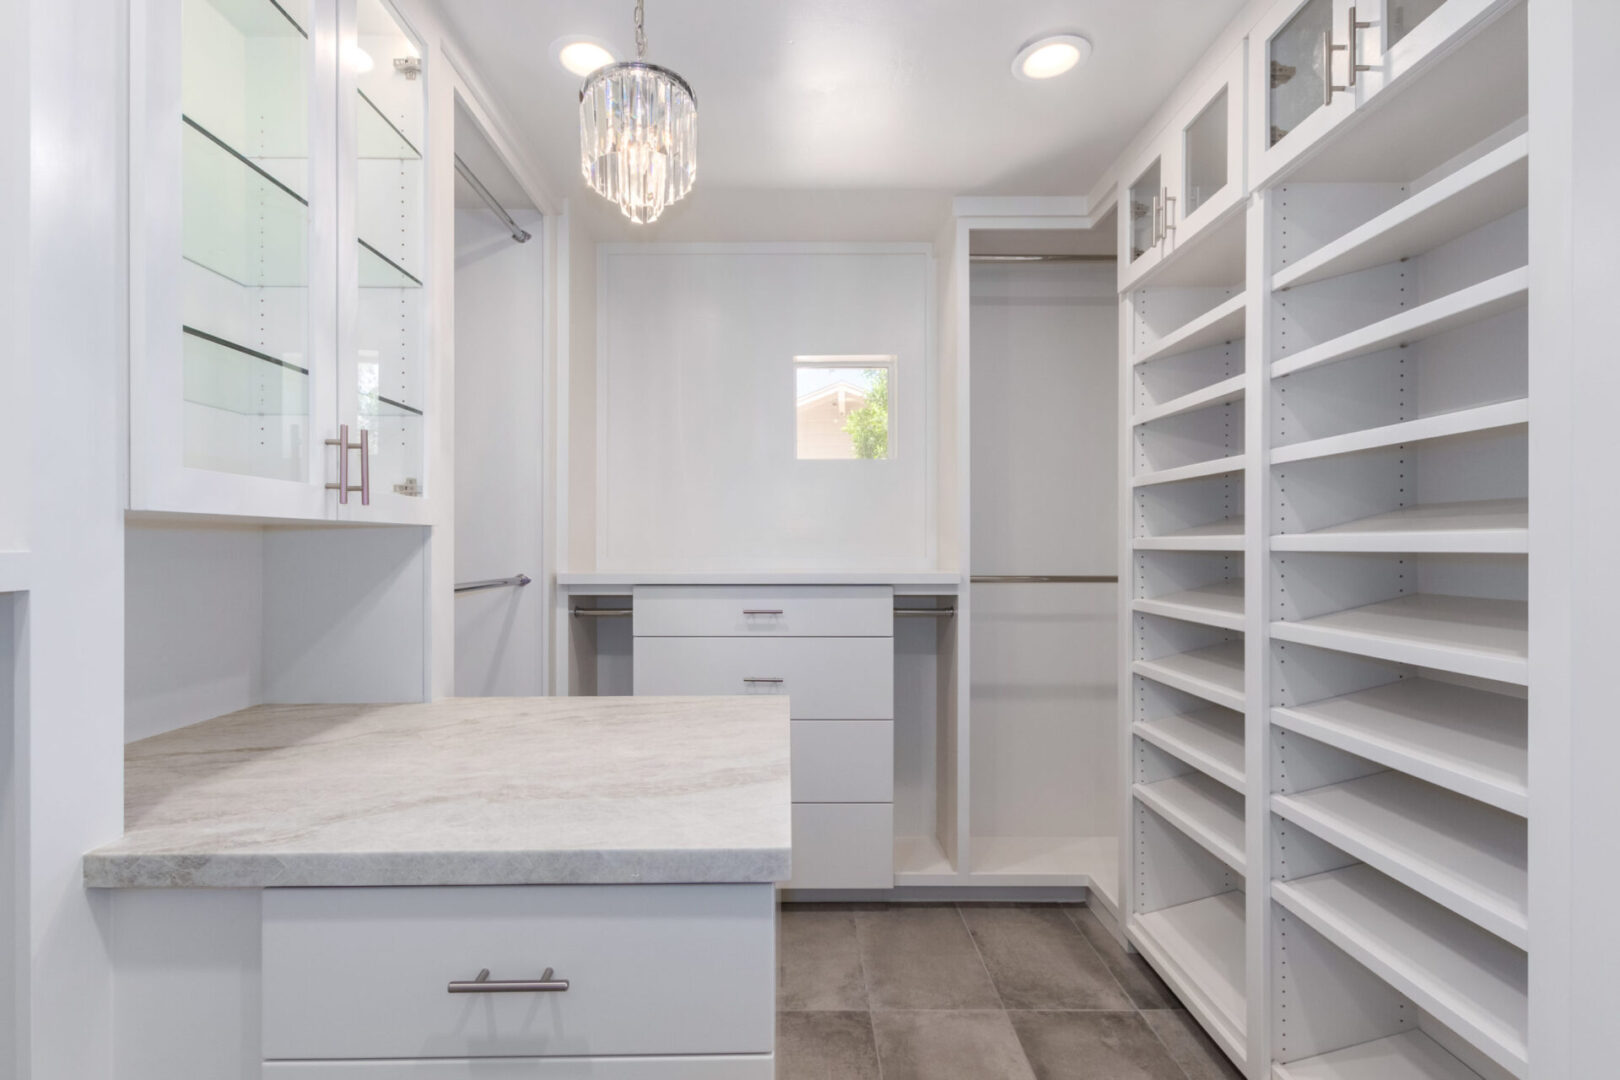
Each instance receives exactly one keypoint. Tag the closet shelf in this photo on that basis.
(1485, 189)
(1206, 810)
(1495, 526)
(1221, 393)
(1440, 426)
(1213, 467)
(1213, 257)
(1410, 1055)
(378, 137)
(1207, 739)
(1214, 673)
(1199, 950)
(1469, 741)
(1218, 325)
(378, 271)
(1213, 605)
(1224, 535)
(1472, 304)
(1472, 981)
(1463, 634)
(1461, 854)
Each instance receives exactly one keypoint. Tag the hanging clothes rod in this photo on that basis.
(1039, 579)
(930, 613)
(605, 612)
(520, 234)
(494, 583)
(1043, 258)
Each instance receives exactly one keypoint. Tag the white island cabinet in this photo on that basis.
(475, 888)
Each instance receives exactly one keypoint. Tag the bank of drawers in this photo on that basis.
(830, 649)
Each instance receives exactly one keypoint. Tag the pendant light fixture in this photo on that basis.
(638, 134)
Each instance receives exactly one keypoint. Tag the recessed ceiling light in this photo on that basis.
(582, 55)
(1052, 55)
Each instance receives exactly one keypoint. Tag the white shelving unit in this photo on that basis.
(1328, 631)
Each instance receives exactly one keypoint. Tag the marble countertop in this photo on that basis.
(467, 791)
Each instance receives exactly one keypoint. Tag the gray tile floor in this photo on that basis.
(975, 992)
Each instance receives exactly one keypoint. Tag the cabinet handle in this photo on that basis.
(762, 611)
(483, 984)
(365, 467)
(1169, 200)
(1355, 60)
(1328, 49)
(762, 679)
(342, 443)
(1158, 222)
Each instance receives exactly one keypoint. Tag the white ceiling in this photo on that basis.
(877, 96)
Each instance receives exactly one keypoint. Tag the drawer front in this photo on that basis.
(748, 611)
(751, 1067)
(843, 846)
(826, 678)
(658, 969)
(843, 761)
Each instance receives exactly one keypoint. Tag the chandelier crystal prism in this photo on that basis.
(638, 134)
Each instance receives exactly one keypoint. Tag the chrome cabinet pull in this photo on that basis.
(1355, 60)
(1169, 200)
(762, 679)
(483, 984)
(1328, 49)
(343, 487)
(762, 611)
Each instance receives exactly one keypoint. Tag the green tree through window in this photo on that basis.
(868, 426)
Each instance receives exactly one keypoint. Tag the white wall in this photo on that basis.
(1044, 461)
(577, 435)
(193, 625)
(500, 403)
(696, 378)
(10, 827)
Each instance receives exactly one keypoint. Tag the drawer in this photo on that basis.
(655, 969)
(750, 611)
(751, 1067)
(843, 761)
(826, 678)
(843, 846)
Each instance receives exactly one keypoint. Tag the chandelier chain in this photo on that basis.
(641, 31)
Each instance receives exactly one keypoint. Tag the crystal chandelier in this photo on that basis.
(638, 134)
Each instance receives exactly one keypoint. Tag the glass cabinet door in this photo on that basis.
(383, 348)
(243, 338)
(1299, 83)
(1298, 66)
(1210, 152)
(1144, 206)
(1205, 145)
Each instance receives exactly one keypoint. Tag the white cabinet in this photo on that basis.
(1189, 177)
(1314, 62)
(277, 260)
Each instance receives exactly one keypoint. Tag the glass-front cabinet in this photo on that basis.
(1313, 62)
(1189, 177)
(243, 371)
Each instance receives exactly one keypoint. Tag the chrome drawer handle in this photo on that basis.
(747, 679)
(483, 984)
(762, 611)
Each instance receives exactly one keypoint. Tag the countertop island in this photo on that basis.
(468, 791)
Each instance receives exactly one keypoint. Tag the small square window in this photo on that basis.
(845, 406)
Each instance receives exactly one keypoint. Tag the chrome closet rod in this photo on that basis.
(520, 234)
(604, 612)
(494, 583)
(919, 612)
(1043, 258)
(1028, 579)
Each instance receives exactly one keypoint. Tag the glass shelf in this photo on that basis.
(239, 221)
(378, 271)
(377, 405)
(378, 136)
(221, 374)
(265, 18)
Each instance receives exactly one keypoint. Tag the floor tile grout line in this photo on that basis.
(980, 954)
(1126, 994)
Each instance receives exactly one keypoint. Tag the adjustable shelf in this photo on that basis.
(378, 271)
(240, 221)
(1410, 1055)
(1214, 256)
(1441, 426)
(1464, 634)
(1224, 535)
(1209, 739)
(1213, 467)
(1221, 393)
(1468, 857)
(1214, 673)
(1220, 605)
(1469, 741)
(379, 137)
(1479, 192)
(1222, 323)
(1491, 526)
(1199, 950)
(1472, 981)
(221, 374)
(1207, 811)
(1467, 305)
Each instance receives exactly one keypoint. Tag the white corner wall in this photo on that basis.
(696, 406)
